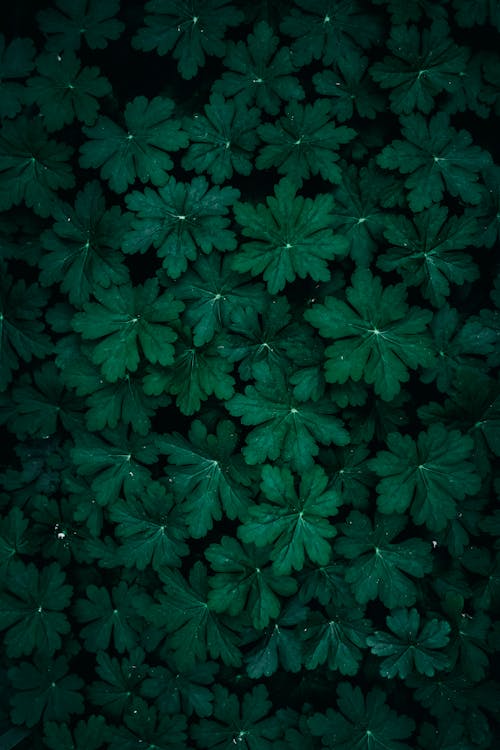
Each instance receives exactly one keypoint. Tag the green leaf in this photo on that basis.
(378, 567)
(109, 618)
(472, 12)
(304, 142)
(247, 723)
(120, 680)
(438, 159)
(212, 291)
(178, 220)
(127, 322)
(428, 475)
(291, 236)
(92, 20)
(356, 213)
(14, 541)
(64, 90)
(362, 722)
(243, 583)
(284, 427)
(410, 648)
(43, 405)
(44, 688)
(16, 62)
(207, 476)
(267, 336)
(280, 645)
(260, 71)
(328, 31)
(188, 30)
(295, 521)
(144, 724)
(336, 640)
(194, 630)
(350, 89)
(138, 150)
(88, 734)
(187, 692)
(110, 404)
(150, 528)
(461, 344)
(194, 375)
(422, 65)
(222, 141)
(114, 461)
(81, 249)
(31, 608)
(22, 331)
(32, 167)
(377, 337)
(425, 252)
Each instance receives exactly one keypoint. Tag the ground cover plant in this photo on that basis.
(249, 387)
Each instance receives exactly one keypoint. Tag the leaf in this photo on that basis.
(428, 475)
(336, 640)
(189, 30)
(362, 722)
(208, 478)
(422, 65)
(409, 647)
(279, 646)
(187, 692)
(248, 722)
(145, 724)
(88, 734)
(120, 681)
(64, 90)
(243, 583)
(194, 375)
(22, 331)
(32, 609)
(379, 568)
(81, 249)
(425, 252)
(125, 318)
(40, 407)
(44, 688)
(222, 141)
(461, 344)
(295, 521)
(291, 236)
(438, 159)
(350, 89)
(328, 31)
(304, 142)
(114, 461)
(267, 336)
(92, 20)
(150, 528)
(194, 630)
(109, 618)
(14, 541)
(260, 71)
(356, 213)
(32, 167)
(283, 426)
(139, 150)
(212, 291)
(16, 62)
(180, 219)
(377, 337)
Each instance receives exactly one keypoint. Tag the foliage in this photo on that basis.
(249, 392)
